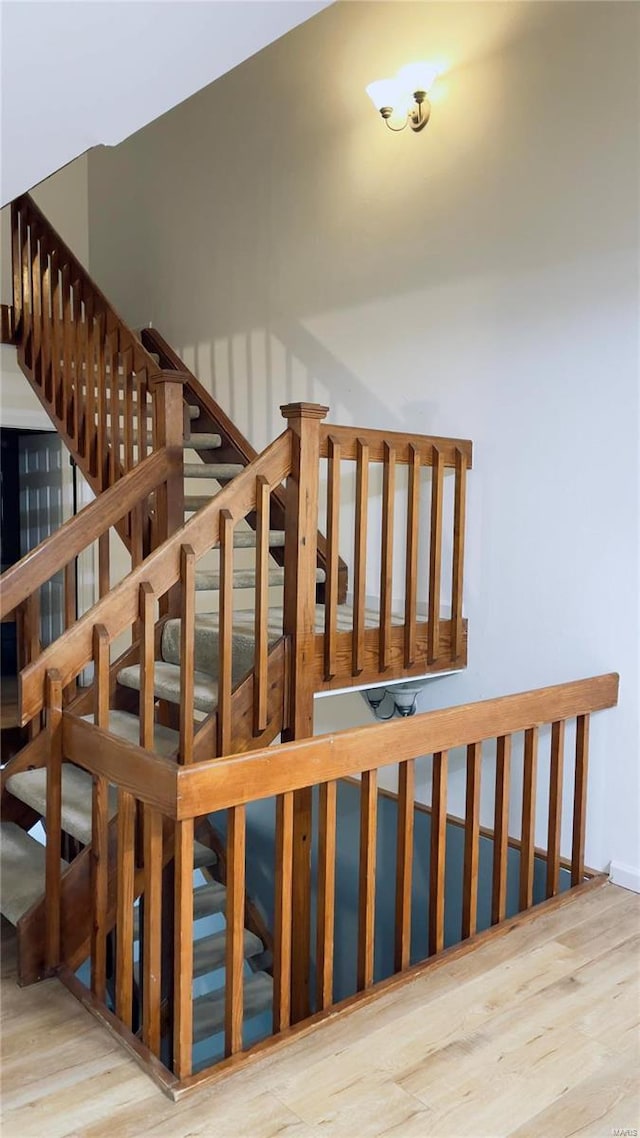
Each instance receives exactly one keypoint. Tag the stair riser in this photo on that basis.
(206, 649)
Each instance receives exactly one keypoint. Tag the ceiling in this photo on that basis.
(79, 74)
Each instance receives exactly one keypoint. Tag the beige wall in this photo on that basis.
(479, 279)
(64, 200)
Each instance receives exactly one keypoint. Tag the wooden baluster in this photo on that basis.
(183, 950)
(360, 555)
(141, 408)
(234, 1007)
(333, 542)
(152, 931)
(137, 535)
(386, 559)
(580, 799)
(115, 406)
(16, 271)
(404, 864)
(26, 340)
(326, 894)
(68, 399)
(411, 568)
(438, 851)
(32, 644)
(78, 359)
(93, 382)
(104, 564)
(261, 661)
(101, 456)
(45, 351)
(55, 363)
(555, 808)
(528, 817)
(124, 906)
(127, 397)
(282, 930)
(187, 649)
(70, 613)
(36, 295)
(167, 390)
(100, 824)
(225, 661)
(471, 841)
(147, 659)
(301, 526)
(501, 830)
(435, 556)
(53, 817)
(367, 878)
(459, 511)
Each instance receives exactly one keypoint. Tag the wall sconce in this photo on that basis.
(402, 699)
(403, 100)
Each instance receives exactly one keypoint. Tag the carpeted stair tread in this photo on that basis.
(209, 579)
(209, 952)
(203, 441)
(206, 646)
(221, 471)
(77, 784)
(208, 1010)
(127, 726)
(23, 862)
(209, 899)
(167, 684)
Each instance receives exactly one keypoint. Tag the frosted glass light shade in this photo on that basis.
(383, 93)
(417, 76)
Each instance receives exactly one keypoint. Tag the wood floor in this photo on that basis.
(532, 1035)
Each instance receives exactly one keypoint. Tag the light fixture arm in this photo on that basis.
(416, 119)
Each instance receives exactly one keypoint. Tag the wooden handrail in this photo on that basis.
(348, 438)
(142, 358)
(238, 779)
(120, 608)
(56, 551)
(235, 780)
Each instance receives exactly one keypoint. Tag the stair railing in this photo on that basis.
(171, 569)
(518, 732)
(108, 398)
(411, 557)
(128, 503)
(235, 448)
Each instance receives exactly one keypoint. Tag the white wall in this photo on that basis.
(479, 279)
(78, 75)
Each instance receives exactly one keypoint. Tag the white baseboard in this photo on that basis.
(626, 876)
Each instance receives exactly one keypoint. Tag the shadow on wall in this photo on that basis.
(252, 374)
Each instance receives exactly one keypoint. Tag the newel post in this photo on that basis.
(300, 560)
(166, 388)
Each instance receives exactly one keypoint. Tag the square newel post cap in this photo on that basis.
(304, 411)
(167, 375)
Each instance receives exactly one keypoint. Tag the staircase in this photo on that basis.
(251, 583)
(23, 887)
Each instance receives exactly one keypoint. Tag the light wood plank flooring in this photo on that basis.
(532, 1035)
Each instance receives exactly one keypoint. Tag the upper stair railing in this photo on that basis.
(108, 397)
